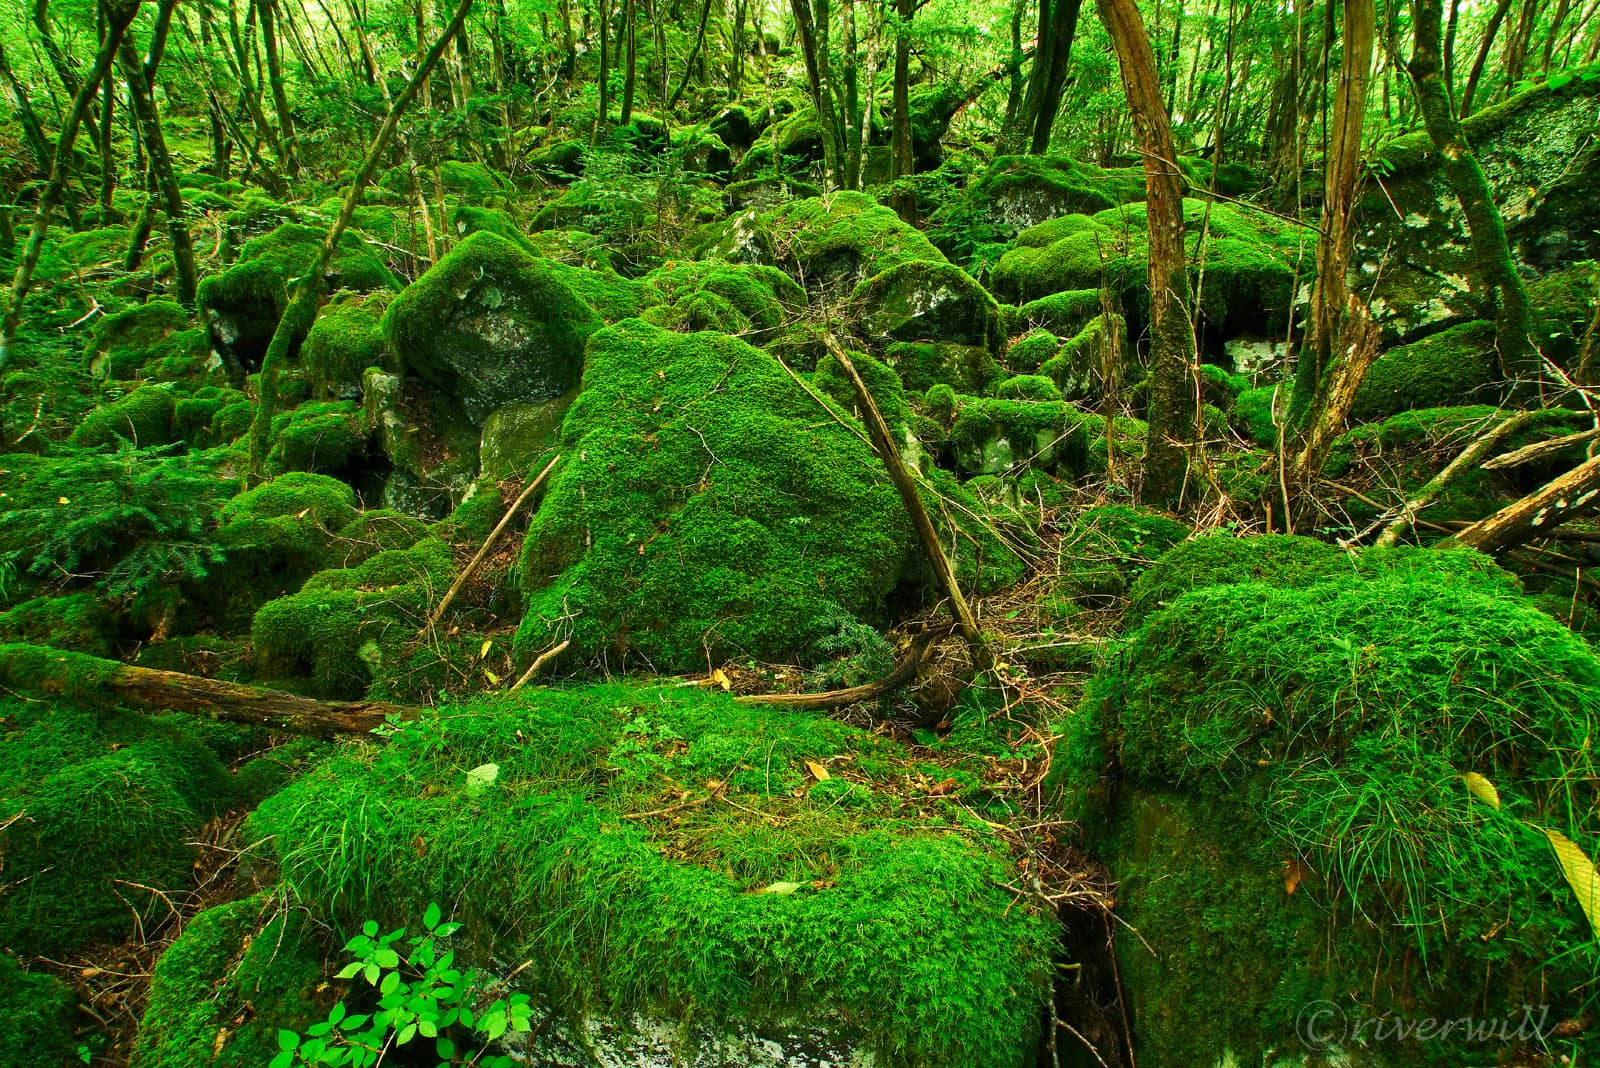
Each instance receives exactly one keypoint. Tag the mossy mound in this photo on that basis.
(1028, 387)
(326, 436)
(612, 296)
(555, 852)
(346, 339)
(345, 624)
(706, 508)
(159, 333)
(39, 1010)
(1292, 759)
(1081, 365)
(923, 365)
(489, 325)
(220, 992)
(832, 244)
(1065, 313)
(992, 436)
(91, 803)
(78, 622)
(928, 301)
(1258, 413)
(141, 418)
(746, 300)
(1454, 366)
(243, 304)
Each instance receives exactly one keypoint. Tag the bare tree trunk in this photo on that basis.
(630, 76)
(699, 42)
(1172, 423)
(814, 49)
(307, 291)
(280, 98)
(1482, 58)
(117, 19)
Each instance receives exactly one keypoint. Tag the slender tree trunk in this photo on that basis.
(1052, 66)
(902, 155)
(280, 98)
(1482, 58)
(1010, 138)
(630, 73)
(32, 132)
(699, 42)
(813, 49)
(107, 150)
(1497, 272)
(117, 19)
(308, 290)
(603, 120)
(849, 104)
(1171, 415)
(162, 175)
(63, 66)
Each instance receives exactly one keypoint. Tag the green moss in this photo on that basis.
(940, 402)
(1108, 547)
(489, 325)
(220, 992)
(39, 1011)
(232, 420)
(324, 436)
(1029, 352)
(991, 436)
(921, 300)
(836, 242)
(343, 342)
(142, 417)
(474, 181)
(1326, 720)
(515, 435)
(470, 218)
(747, 300)
(670, 915)
(706, 508)
(1451, 367)
(1258, 413)
(1079, 366)
(1028, 387)
(122, 344)
(612, 296)
(1065, 313)
(193, 416)
(77, 622)
(923, 365)
(346, 624)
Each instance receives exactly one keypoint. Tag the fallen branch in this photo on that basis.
(1538, 450)
(1466, 460)
(488, 543)
(538, 662)
(883, 442)
(1544, 509)
(903, 672)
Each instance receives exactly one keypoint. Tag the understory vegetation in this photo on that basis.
(720, 534)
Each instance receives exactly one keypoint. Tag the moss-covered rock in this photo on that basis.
(925, 364)
(1081, 365)
(1064, 313)
(928, 301)
(707, 508)
(489, 325)
(346, 339)
(747, 300)
(1452, 367)
(515, 434)
(40, 1009)
(1258, 413)
(141, 418)
(78, 622)
(159, 334)
(834, 243)
(325, 436)
(996, 436)
(1108, 547)
(1028, 353)
(243, 304)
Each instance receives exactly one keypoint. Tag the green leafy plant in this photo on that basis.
(421, 995)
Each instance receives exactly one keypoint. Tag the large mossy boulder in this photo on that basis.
(1338, 781)
(157, 339)
(41, 1010)
(747, 300)
(243, 304)
(706, 508)
(488, 325)
(346, 339)
(832, 244)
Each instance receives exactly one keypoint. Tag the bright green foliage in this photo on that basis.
(469, 219)
(1327, 721)
(241, 961)
(343, 342)
(1259, 413)
(324, 436)
(475, 182)
(714, 911)
(746, 300)
(992, 436)
(344, 624)
(1453, 366)
(108, 800)
(881, 381)
(834, 242)
(921, 300)
(707, 507)
(1079, 366)
(39, 1018)
(77, 622)
(423, 995)
(133, 522)
(194, 416)
(1065, 313)
(1108, 547)
(142, 418)
(123, 344)
(489, 325)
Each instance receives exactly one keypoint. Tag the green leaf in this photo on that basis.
(407, 1033)
(431, 917)
(371, 971)
(288, 1040)
(387, 958)
(445, 1048)
(481, 778)
(336, 1013)
(447, 929)
(282, 1060)
(370, 928)
(349, 970)
(390, 981)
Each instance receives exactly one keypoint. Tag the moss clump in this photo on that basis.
(245, 302)
(744, 299)
(1322, 732)
(1029, 352)
(344, 341)
(39, 1018)
(141, 418)
(1258, 412)
(121, 345)
(1080, 366)
(922, 365)
(1107, 548)
(1065, 313)
(707, 509)
(77, 622)
(194, 416)
(844, 911)
(1451, 367)
(90, 802)
(834, 243)
(490, 325)
(326, 436)
(346, 624)
(928, 301)
(1028, 387)
(241, 962)
(994, 436)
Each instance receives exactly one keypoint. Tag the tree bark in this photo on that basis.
(307, 291)
(289, 154)
(814, 49)
(1058, 25)
(1541, 511)
(1172, 390)
(118, 18)
(1496, 270)
(630, 71)
(32, 132)
(1482, 58)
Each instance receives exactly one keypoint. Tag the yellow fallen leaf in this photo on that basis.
(1580, 873)
(483, 650)
(780, 888)
(62, 500)
(818, 770)
(720, 678)
(1482, 789)
(494, 680)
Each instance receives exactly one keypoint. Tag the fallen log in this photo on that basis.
(1542, 510)
(904, 671)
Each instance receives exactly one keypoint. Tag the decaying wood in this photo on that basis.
(1466, 460)
(488, 544)
(884, 443)
(1538, 450)
(904, 671)
(1540, 511)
